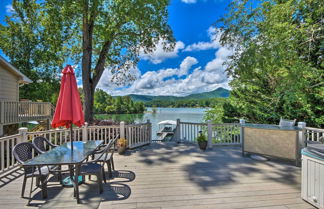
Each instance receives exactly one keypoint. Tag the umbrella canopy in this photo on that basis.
(68, 109)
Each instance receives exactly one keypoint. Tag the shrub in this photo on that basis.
(201, 138)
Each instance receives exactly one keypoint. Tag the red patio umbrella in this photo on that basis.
(68, 109)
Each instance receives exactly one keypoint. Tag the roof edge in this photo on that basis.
(23, 78)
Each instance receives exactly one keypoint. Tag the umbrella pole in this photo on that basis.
(71, 135)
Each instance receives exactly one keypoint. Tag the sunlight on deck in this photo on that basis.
(175, 176)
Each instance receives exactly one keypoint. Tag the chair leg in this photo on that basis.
(59, 175)
(44, 187)
(109, 170)
(112, 163)
(23, 186)
(99, 177)
(103, 174)
(37, 182)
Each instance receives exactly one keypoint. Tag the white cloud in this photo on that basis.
(186, 64)
(159, 55)
(107, 83)
(182, 80)
(189, 1)
(178, 81)
(153, 79)
(9, 9)
(214, 43)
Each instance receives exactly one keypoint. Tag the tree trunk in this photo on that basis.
(90, 78)
(88, 87)
(88, 104)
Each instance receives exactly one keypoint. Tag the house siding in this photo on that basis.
(9, 87)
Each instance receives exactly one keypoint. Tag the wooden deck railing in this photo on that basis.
(189, 131)
(136, 135)
(220, 134)
(226, 134)
(15, 111)
(7, 161)
(314, 134)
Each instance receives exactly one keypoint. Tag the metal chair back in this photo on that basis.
(23, 152)
(103, 155)
(114, 144)
(41, 143)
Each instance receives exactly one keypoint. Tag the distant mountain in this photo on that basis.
(219, 92)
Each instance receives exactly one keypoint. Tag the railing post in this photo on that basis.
(149, 131)
(85, 132)
(2, 112)
(209, 133)
(23, 134)
(122, 130)
(301, 134)
(178, 131)
(242, 123)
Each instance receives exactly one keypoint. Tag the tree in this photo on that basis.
(106, 104)
(101, 101)
(277, 67)
(112, 33)
(32, 51)
(101, 34)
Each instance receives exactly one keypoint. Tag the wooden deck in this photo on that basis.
(176, 176)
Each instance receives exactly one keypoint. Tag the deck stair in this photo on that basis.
(163, 133)
(162, 136)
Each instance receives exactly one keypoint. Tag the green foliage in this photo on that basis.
(219, 92)
(277, 67)
(41, 35)
(107, 34)
(201, 138)
(185, 103)
(206, 99)
(106, 104)
(129, 118)
(215, 115)
(31, 51)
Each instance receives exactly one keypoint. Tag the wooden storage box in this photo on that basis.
(312, 179)
(271, 140)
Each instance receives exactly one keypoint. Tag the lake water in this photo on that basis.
(184, 114)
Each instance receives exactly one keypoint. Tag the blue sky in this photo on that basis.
(194, 66)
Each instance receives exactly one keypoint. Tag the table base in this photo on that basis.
(68, 182)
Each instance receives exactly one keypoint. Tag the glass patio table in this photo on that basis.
(64, 155)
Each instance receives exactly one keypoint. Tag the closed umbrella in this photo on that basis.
(68, 109)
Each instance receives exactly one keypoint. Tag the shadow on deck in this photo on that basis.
(170, 175)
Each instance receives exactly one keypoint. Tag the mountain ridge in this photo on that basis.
(217, 93)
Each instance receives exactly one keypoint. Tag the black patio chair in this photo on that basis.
(23, 152)
(95, 167)
(110, 157)
(41, 143)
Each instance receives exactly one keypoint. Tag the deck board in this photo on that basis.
(166, 175)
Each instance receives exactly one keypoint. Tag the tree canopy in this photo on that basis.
(29, 48)
(95, 35)
(106, 104)
(277, 68)
(107, 34)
